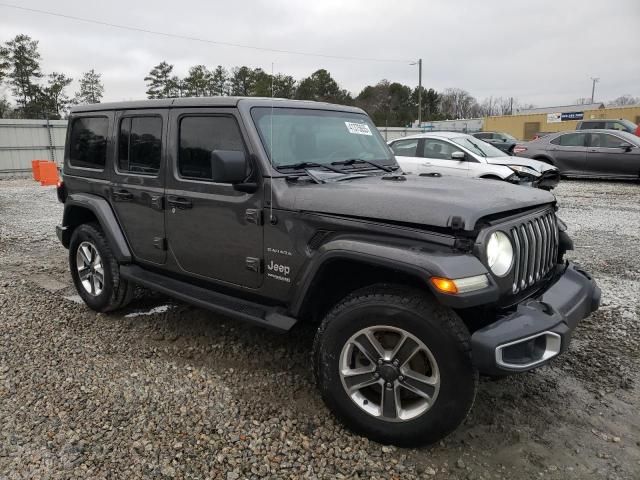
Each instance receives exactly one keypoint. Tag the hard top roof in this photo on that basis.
(186, 102)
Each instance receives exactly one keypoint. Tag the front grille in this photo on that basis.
(535, 248)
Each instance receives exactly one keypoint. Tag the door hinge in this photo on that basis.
(160, 243)
(157, 202)
(253, 215)
(254, 264)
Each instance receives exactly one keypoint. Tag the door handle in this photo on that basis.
(122, 195)
(180, 203)
(426, 164)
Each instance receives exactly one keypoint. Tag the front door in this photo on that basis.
(137, 187)
(611, 155)
(213, 230)
(436, 158)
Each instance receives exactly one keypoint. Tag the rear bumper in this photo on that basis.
(540, 328)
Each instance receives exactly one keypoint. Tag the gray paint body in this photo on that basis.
(589, 159)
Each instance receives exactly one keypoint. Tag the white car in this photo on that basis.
(459, 154)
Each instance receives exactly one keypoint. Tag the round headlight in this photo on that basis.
(499, 253)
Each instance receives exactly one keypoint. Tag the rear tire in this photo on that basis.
(95, 270)
(417, 400)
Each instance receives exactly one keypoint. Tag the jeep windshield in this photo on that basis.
(295, 137)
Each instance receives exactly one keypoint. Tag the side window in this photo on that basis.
(405, 148)
(570, 140)
(598, 125)
(199, 136)
(615, 126)
(140, 145)
(482, 136)
(438, 149)
(88, 142)
(607, 141)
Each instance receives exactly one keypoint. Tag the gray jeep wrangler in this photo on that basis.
(276, 212)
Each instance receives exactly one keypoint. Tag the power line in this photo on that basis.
(196, 39)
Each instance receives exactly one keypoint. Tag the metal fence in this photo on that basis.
(24, 140)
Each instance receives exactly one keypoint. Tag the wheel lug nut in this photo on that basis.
(376, 374)
(396, 362)
(380, 362)
(401, 378)
(388, 385)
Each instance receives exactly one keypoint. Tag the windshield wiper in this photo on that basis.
(477, 148)
(351, 161)
(306, 165)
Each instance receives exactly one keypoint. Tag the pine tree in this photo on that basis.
(198, 81)
(91, 88)
(23, 60)
(242, 80)
(219, 85)
(54, 99)
(159, 81)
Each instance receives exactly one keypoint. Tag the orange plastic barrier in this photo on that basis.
(49, 173)
(35, 168)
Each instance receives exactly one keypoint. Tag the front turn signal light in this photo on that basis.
(460, 285)
(444, 284)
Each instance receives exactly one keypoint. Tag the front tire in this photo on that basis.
(395, 366)
(95, 270)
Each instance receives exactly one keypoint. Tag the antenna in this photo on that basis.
(272, 152)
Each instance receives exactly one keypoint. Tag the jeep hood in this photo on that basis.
(429, 201)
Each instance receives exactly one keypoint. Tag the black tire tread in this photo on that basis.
(406, 297)
(122, 291)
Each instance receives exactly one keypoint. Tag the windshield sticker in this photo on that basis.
(358, 128)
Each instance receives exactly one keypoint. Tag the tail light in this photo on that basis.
(61, 191)
(519, 149)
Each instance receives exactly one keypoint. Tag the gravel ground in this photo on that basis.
(166, 390)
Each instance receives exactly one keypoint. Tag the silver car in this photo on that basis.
(587, 153)
(459, 154)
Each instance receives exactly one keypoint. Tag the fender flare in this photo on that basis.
(106, 218)
(417, 263)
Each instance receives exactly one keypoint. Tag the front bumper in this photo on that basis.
(539, 329)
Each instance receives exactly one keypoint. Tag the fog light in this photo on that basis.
(460, 285)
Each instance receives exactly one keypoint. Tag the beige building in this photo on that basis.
(524, 125)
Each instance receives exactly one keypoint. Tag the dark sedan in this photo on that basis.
(503, 141)
(587, 153)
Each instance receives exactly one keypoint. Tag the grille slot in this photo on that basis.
(535, 249)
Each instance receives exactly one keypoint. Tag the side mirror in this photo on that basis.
(228, 166)
(460, 156)
(626, 147)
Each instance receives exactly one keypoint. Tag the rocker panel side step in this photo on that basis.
(267, 317)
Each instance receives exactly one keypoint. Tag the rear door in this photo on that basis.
(570, 152)
(213, 230)
(137, 187)
(608, 155)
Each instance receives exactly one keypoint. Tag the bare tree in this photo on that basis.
(624, 100)
(458, 103)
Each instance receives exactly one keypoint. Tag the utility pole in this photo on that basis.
(419, 63)
(593, 87)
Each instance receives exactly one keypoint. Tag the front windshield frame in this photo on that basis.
(381, 153)
(478, 147)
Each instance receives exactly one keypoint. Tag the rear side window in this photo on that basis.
(482, 136)
(405, 148)
(570, 140)
(586, 125)
(140, 145)
(199, 136)
(88, 142)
